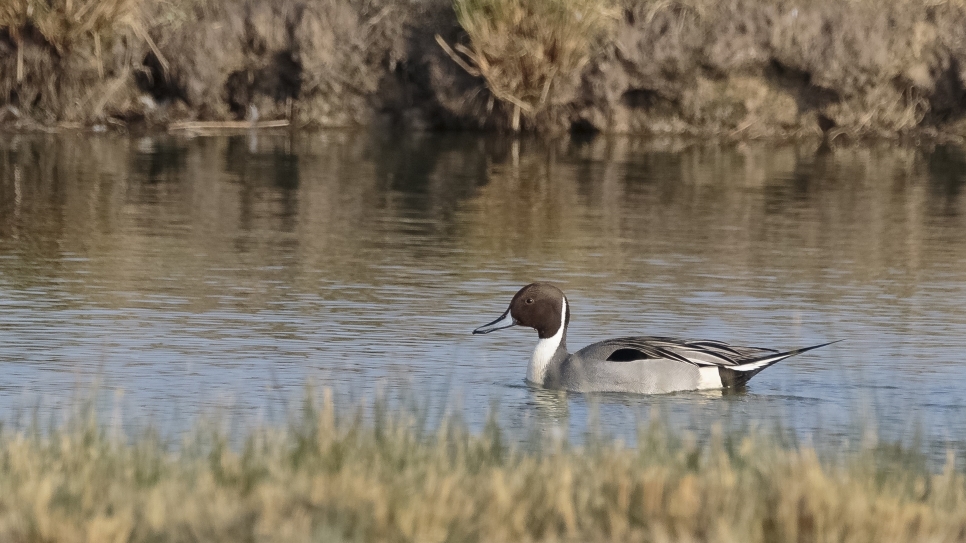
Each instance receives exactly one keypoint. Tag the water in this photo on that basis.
(186, 276)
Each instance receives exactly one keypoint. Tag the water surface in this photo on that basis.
(190, 275)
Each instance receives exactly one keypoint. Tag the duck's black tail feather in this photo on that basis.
(738, 375)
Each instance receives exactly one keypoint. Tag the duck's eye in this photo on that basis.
(529, 300)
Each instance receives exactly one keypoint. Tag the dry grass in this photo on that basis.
(764, 67)
(65, 23)
(530, 52)
(743, 68)
(331, 477)
(66, 52)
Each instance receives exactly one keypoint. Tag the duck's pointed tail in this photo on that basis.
(738, 375)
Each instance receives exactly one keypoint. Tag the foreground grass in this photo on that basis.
(333, 478)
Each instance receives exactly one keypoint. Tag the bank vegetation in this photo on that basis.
(739, 68)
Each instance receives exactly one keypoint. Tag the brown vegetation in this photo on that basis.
(332, 477)
(776, 66)
(743, 68)
(60, 61)
(531, 52)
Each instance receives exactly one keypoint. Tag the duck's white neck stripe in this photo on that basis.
(546, 348)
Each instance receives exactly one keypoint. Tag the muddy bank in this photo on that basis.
(740, 67)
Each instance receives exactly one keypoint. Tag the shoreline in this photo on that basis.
(745, 70)
(927, 138)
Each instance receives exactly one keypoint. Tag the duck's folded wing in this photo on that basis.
(697, 352)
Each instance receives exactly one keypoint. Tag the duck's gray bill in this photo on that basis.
(505, 321)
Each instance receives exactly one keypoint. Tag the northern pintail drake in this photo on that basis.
(643, 365)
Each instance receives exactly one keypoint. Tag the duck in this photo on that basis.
(640, 364)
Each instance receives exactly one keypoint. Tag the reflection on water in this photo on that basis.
(222, 273)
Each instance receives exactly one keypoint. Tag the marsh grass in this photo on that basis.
(75, 60)
(530, 52)
(69, 25)
(739, 69)
(65, 22)
(333, 474)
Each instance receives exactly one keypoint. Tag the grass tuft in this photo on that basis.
(530, 52)
(68, 24)
(75, 60)
(65, 22)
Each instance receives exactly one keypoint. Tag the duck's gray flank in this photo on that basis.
(642, 364)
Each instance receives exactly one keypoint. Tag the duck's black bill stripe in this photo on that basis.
(504, 321)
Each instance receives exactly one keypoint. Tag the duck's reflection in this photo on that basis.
(551, 405)
(555, 415)
(554, 405)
